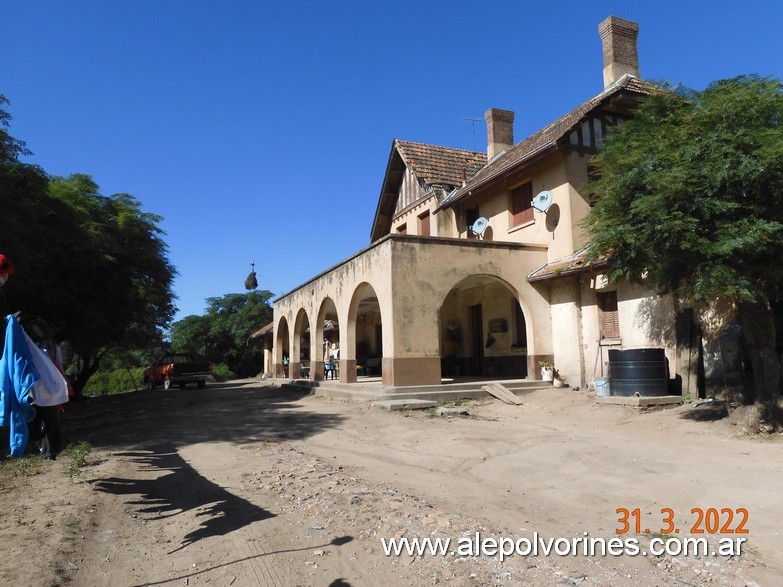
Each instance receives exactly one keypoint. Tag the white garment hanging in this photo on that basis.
(51, 389)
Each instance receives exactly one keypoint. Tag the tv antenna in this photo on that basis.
(473, 122)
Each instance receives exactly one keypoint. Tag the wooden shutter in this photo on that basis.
(521, 209)
(424, 224)
(610, 319)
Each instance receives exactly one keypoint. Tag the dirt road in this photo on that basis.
(243, 484)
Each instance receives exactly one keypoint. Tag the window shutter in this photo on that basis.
(521, 209)
(610, 318)
(424, 224)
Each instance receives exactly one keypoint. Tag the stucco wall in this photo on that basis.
(412, 277)
(567, 334)
(555, 173)
(420, 292)
(578, 206)
(646, 321)
(561, 173)
(410, 218)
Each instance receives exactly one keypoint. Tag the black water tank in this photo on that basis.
(641, 371)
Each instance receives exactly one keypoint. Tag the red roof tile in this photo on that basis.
(440, 165)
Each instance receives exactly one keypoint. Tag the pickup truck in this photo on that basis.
(176, 368)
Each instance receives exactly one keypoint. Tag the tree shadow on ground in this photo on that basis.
(179, 490)
(711, 412)
(149, 428)
(231, 413)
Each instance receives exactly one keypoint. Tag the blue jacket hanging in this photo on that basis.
(17, 375)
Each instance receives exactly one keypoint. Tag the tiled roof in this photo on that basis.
(572, 264)
(547, 136)
(441, 165)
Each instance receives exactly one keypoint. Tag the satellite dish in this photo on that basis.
(542, 201)
(479, 225)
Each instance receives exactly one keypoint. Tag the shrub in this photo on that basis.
(221, 372)
(77, 453)
(111, 382)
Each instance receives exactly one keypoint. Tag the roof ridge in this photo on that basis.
(401, 141)
(529, 146)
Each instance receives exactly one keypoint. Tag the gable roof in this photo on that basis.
(441, 165)
(546, 140)
(432, 165)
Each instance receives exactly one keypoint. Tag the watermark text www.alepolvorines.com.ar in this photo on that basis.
(505, 547)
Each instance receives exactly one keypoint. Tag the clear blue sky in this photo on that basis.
(260, 131)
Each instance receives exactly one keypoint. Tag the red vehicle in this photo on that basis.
(179, 369)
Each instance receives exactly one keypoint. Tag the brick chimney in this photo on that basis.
(500, 131)
(618, 37)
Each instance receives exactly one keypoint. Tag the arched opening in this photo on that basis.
(282, 350)
(300, 359)
(365, 317)
(483, 330)
(327, 338)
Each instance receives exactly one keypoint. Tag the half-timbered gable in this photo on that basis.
(415, 173)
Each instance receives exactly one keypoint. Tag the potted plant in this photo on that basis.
(547, 370)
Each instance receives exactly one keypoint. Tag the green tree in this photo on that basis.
(27, 217)
(120, 278)
(689, 200)
(91, 271)
(10, 148)
(191, 334)
(222, 335)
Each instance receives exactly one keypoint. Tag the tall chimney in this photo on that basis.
(618, 37)
(500, 131)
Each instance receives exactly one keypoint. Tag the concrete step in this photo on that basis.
(376, 392)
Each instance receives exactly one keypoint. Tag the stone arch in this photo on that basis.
(301, 343)
(484, 329)
(282, 348)
(327, 332)
(362, 338)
